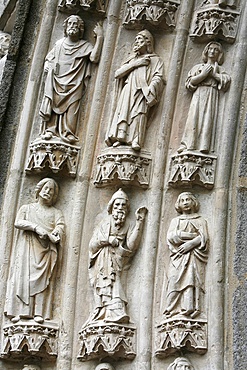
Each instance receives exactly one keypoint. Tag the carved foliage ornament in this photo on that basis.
(68, 6)
(216, 19)
(141, 13)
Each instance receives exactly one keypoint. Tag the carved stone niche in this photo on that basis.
(214, 20)
(141, 13)
(27, 339)
(123, 165)
(53, 154)
(192, 168)
(178, 334)
(74, 6)
(100, 340)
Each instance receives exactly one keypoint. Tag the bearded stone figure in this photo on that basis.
(40, 232)
(68, 72)
(140, 82)
(113, 243)
(204, 80)
(187, 240)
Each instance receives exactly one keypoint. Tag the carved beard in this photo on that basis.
(119, 218)
(72, 31)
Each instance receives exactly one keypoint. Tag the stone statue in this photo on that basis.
(4, 47)
(113, 242)
(31, 367)
(205, 80)
(139, 86)
(187, 239)
(41, 229)
(181, 363)
(104, 366)
(68, 71)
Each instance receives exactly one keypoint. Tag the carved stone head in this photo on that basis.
(149, 40)
(43, 183)
(220, 58)
(80, 24)
(194, 204)
(31, 367)
(120, 194)
(181, 363)
(104, 366)
(4, 43)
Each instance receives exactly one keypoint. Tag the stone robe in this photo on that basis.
(186, 272)
(105, 269)
(66, 82)
(132, 105)
(199, 132)
(33, 272)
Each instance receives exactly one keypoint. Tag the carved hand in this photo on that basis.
(142, 62)
(141, 213)
(98, 30)
(54, 236)
(41, 232)
(207, 69)
(114, 241)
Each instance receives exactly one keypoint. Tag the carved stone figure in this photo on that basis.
(205, 80)
(181, 363)
(4, 47)
(139, 85)
(31, 367)
(187, 239)
(41, 229)
(104, 366)
(68, 72)
(112, 245)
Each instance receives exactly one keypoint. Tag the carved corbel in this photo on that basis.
(215, 20)
(141, 13)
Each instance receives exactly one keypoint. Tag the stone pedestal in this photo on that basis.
(27, 339)
(176, 334)
(122, 165)
(192, 168)
(212, 21)
(157, 13)
(100, 340)
(53, 155)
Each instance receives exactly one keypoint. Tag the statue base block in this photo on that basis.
(54, 155)
(28, 339)
(193, 168)
(122, 165)
(101, 340)
(176, 334)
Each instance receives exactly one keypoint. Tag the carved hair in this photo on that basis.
(29, 367)
(104, 366)
(149, 40)
(173, 366)
(205, 52)
(42, 183)
(80, 24)
(192, 197)
(120, 194)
